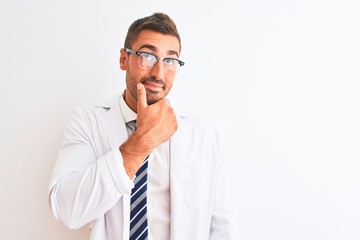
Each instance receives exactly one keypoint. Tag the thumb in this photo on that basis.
(141, 97)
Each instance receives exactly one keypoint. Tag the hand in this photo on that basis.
(155, 123)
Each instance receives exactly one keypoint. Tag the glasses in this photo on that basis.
(147, 61)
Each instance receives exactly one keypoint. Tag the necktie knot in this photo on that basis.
(132, 125)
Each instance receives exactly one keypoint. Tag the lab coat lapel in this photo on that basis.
(179, 209)
(115, 130)
(113, 123)
(177, 190)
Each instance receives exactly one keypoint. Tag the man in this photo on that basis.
(154, 178)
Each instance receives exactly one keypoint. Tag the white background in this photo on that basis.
(279, 78)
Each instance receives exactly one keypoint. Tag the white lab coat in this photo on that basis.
(89, 183)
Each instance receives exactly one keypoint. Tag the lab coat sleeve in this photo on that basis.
(85, 184)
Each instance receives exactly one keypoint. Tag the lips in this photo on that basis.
(153, 86)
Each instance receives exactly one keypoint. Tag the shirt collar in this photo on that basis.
(129, 115)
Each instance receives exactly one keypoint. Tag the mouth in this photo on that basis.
(153, 86)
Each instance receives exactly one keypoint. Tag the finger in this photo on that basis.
(141, 95)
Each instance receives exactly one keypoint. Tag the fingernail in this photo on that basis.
(138, 86)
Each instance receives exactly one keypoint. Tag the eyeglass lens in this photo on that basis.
(148, 61)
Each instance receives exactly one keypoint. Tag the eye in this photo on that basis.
(147, 56)
(169, 61)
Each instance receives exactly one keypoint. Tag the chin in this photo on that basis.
(151, 99)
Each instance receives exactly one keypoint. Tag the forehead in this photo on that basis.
(161, 42)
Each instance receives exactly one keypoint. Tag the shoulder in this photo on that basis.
(199, 121)
(191, 117)
(86, 119)
(191, 121)
(91, 111)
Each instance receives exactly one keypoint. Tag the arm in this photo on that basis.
(84, 185)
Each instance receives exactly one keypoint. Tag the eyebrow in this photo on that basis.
(155, 49)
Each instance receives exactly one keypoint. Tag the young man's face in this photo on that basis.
(157, 80)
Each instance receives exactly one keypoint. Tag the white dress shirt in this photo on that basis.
(158, 198)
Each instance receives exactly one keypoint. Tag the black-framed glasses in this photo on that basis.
(148, 60)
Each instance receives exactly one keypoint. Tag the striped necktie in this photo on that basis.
(138, 205)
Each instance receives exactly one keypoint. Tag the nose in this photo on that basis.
(158, 70)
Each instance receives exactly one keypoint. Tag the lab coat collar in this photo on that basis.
(113, 102)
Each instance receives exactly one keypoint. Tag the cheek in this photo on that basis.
(130, 80)
(169, 84)
(133, 76)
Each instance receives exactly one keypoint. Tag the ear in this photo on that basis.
(123, 59)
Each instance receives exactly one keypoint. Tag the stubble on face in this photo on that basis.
(151, 95)
(157, 84)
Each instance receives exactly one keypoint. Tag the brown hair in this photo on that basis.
(158, 22)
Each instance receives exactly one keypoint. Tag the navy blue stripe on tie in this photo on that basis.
(137, 194)
(136, 209)
(138, 205)
(141, 232)
(138, 217)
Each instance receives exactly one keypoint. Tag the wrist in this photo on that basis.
(133, 153)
